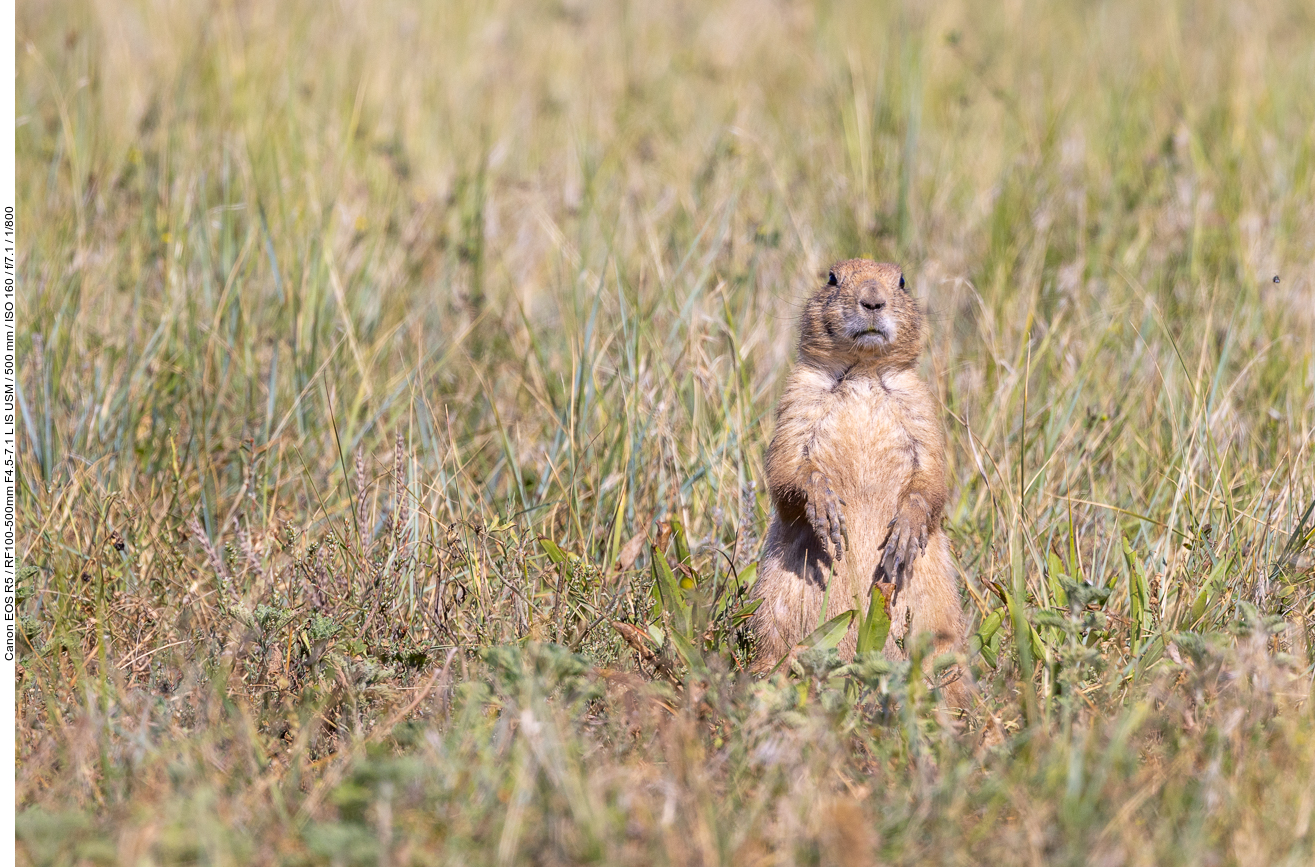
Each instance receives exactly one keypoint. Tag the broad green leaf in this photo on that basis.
(746, 611)
(1038, 646)
(550, 548)
(1055, 574)
(747, 576)
(981, 640)
(681, 543)
(737, 582)
(830, 634)
(875, 627)
(991, 650)
(1073, 560)
(685, 648)
(1139, 595)
(1207, 594)
(1014, 600)
(671, 598)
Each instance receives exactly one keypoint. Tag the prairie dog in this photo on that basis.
(856, 472)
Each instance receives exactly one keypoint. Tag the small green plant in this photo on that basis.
(692, 615)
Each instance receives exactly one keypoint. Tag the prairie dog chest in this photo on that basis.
(866, 440)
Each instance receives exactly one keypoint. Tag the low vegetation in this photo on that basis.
(395, 382)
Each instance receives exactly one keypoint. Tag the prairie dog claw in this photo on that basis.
(906, 540)
(823, 510)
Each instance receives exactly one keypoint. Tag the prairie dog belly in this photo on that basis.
(865, 450)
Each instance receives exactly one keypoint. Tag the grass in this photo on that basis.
(377, 360)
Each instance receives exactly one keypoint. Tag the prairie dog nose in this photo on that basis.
(870, 297)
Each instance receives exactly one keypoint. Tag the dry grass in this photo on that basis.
(332, 313)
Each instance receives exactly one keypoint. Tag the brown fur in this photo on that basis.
(859, 454)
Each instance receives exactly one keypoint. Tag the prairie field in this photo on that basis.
(396, 378)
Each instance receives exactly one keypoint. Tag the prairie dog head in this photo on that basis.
(864, 313)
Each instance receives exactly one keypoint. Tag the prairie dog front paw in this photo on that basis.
(906, 540)
(824, 512)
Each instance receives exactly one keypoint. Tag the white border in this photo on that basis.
(8, 444)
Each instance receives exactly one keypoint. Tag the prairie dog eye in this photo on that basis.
(901, 281)
(831, 278)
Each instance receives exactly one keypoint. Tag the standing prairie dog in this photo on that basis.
(856, 472)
